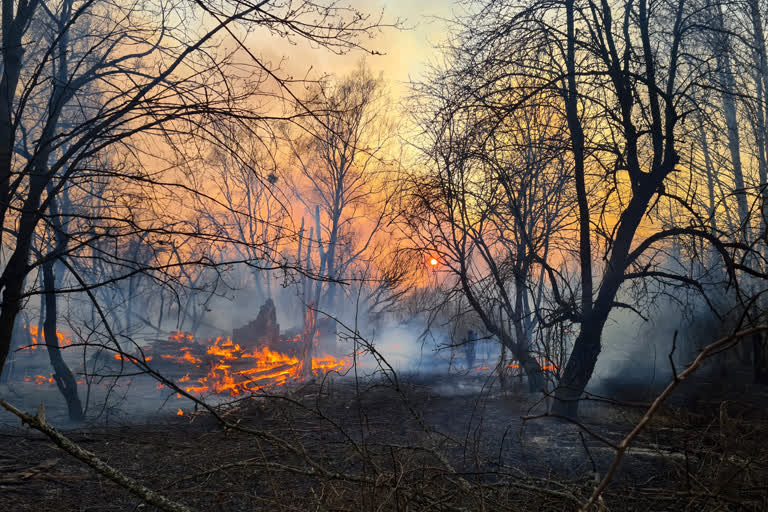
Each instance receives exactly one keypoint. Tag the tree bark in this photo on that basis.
(580, 366)
(63, 376)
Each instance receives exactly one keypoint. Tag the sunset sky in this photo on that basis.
(405, 51)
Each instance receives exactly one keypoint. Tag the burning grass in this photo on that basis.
(216, 366)
(223, 367)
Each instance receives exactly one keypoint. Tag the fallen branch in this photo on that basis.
(38, 423)
(621, 449)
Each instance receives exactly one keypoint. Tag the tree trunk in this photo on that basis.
(728, 85)
(14, 24)
(14, 277)
(761, 85)
(304, 370)
(63, 376)
(12, 53)
(582, 361)
(581, 364)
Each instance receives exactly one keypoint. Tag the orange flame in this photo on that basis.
(226, 367)
(544, 367)
(39, 380)
(235, 371)
(37, 338)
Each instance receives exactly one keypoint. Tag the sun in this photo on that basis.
(433, 262)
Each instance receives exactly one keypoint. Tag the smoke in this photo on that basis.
(633, 361)
(404, 347)
(633, 365)
(638, 354)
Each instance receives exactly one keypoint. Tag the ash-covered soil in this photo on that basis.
(430, 443)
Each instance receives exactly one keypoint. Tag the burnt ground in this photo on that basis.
(430, 444)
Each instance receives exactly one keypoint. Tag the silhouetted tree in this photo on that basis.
(625, 76)
(489, 202)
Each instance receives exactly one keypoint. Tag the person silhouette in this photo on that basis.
(469, 348)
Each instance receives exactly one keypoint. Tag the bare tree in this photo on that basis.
(489, 203)
(342, 162)
(624, 75)
(255, 210)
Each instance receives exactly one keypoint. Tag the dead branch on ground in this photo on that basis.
(38, 422)
(621, 449)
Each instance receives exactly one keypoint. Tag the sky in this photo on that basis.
(405, 52)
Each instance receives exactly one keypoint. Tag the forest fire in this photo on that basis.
(222, 366)
(520, 261)
(218, 366)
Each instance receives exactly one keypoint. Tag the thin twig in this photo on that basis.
(624, 445)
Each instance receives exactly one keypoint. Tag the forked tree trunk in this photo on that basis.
(14, 22)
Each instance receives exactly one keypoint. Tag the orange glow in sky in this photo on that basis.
(433, 262)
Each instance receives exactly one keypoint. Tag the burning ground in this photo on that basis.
(223, 367)
(262, 358)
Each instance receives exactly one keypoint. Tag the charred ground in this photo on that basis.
(416, 446)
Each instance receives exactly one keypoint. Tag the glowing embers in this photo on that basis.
(185, 357)
(544, 367)
(180, 349)
(236, 371)
(181, 337)
(42, 380)
(327, 364)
